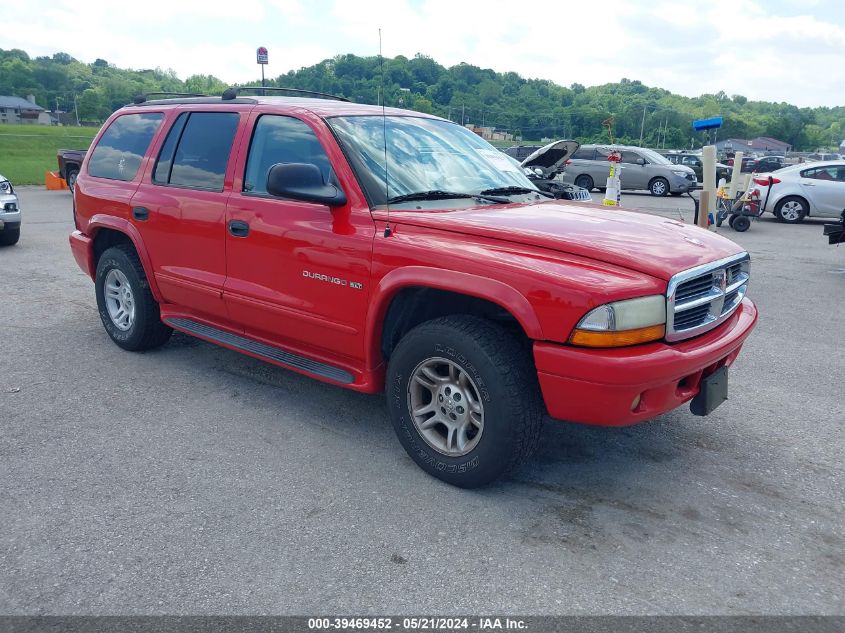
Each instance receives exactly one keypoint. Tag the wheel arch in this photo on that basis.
(398, 304)
(107, 231)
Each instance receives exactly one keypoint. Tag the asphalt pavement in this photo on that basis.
(194, 480)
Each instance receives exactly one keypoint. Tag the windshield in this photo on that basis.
(423, 155)
(654, 157)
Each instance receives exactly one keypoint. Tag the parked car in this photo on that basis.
(70, 160)
(546, 164)
(769, 163)
(822, 157)
(641, 169)
(10, 213)
(381, 249)
(809, 189)
(693, 161)
(748, 163)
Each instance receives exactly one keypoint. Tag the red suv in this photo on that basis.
(389, 250)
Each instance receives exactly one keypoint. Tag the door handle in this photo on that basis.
(238, 228)
(141, 213)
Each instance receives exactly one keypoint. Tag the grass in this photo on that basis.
(27, 151)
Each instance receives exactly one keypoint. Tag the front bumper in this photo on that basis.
(680, 184)
(602, 386)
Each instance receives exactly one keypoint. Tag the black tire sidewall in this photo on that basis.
(493, 454)
(71, 178)
(585, 179)
(9, 237)
(741, 224)
(132, 338)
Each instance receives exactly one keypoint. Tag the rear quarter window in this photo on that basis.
(122, 146)
(584, 154)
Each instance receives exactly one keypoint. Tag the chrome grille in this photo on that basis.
(701, 298)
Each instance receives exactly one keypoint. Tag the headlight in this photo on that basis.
(5, 186)
(621, 323)
(679, 173)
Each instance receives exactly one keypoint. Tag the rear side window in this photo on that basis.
(196, 150)
(584, 154)
(121, 148)
(282, 139)
(631, 158)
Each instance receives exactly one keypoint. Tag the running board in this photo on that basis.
(275, 354)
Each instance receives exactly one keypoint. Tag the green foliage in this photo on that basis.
(27, 151)
(530, 108)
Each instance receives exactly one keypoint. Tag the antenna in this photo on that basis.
(387, 231)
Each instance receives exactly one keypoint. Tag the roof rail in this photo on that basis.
(141, 98)
(231, 93)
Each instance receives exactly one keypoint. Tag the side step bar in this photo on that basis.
(275, 354)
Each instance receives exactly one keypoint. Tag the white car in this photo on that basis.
(10, 214)
(809, 189)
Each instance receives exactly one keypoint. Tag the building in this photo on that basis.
(770, 145)
(17, 110)
(761, 144)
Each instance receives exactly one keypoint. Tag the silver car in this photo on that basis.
(10, 214)
(808, 189)
(641, 169)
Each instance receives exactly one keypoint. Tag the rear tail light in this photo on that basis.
(765, 181)
(567, 162)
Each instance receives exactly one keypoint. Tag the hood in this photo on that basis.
(656, 246)
(550, 158)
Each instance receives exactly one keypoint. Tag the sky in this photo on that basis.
(772, 50)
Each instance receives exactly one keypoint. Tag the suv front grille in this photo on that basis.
(701, 298)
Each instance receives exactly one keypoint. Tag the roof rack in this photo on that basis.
(141, 98)
(231, 93)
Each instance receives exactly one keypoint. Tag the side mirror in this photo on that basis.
(303, 181)
(641, 161)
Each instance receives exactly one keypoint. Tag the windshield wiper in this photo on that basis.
(504, 191)
(439, 194)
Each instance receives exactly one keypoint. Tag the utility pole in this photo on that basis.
(642, 124)
(463, 113)
(76, 109)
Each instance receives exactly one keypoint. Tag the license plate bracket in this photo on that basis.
(713, 391)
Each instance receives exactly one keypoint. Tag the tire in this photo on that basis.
(741, 224)
(791, 210)
(9, 237)
(478, 363)
(731, 220)
(71, 178)
(659, 187)
(120, 275)
(584, 181)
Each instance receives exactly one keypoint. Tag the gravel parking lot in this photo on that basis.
(193, 480)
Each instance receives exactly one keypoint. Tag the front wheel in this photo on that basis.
(464, 399)
(9, 237)
(659, 187)
(71, 179)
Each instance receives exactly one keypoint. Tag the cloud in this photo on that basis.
(772, 50)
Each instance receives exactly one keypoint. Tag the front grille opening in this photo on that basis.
(694, 288)
(692, 318)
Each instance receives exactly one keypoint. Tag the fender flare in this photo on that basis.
(102, 221)
(485, 288)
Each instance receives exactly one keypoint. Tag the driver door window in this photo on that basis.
(282, 139)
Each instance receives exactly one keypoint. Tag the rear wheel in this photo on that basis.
(71, 178)
(464, 399)
(791, 210)
(8, 237)
(585, 181)
(127, 308)
(741, 223)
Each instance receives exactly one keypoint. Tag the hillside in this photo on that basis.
(531, 108)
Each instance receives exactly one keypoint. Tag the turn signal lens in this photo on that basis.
(589, 338)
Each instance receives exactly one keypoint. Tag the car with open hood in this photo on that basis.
(544, 166)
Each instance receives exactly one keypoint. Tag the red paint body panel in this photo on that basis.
(318, 281)
(599, 386)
